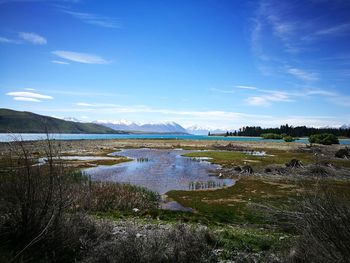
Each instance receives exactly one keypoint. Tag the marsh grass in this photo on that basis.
(109, 196)
(232, 158)
(323, 222)
(239, 242)
(253, 199)
(40, 207)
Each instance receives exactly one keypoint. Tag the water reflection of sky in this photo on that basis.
(165, 170)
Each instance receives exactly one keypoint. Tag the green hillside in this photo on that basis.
(27, 122)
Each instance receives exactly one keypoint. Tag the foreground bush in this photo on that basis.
(32, 200)
(324, 138)
(133, 242)
(343, 153)
(109, 196)
(324, 225)
(39, 204)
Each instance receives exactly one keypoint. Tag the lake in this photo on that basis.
(6, 137)
(160, 171)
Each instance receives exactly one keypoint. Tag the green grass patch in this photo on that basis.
(238, 239)
(231, 158)
(251, 198)
(235, 204)
(341, 162)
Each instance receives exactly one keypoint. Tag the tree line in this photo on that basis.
(298, 131)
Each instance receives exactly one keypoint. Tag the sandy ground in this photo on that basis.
(102, 146)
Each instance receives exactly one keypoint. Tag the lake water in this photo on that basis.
(160, 171)
(5, 137)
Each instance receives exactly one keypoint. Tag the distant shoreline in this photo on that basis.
(7, 137)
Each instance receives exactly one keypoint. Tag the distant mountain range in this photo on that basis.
(28, 122)
(198, 130)
(165, 127)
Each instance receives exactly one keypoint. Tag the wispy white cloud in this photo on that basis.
(266, 100)
(341, 100)
(80, 57)
(266, 97)
(84, 104)
(320, 92)
(8, 40)
(246, 87)
(94, 19)
(281, 35)
(257, 101)
(302, 74)
(28, 96)
(335, 30)
(60, 62)
(32, 38)
(223, 91)
(26, 99)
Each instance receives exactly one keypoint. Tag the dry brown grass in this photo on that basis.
(324, 225)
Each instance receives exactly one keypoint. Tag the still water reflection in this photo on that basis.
(161, 171)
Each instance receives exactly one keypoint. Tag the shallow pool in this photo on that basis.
(161, 171)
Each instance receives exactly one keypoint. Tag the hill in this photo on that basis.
(28, 122)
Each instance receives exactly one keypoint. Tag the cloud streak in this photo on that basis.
(32, 38)
(26, 99)
(84, 104)
(94, 19)
(267, 99)
(60, 62)
(303, 75)
(28, 96)
(246, 87)
(8, 40)
(80, 57)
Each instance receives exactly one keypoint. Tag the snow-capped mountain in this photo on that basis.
(345, 126)
(120, 125)
(198, 130)
(169, 127)
(124, 125)
(71, 119)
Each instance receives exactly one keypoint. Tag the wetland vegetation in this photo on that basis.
(258, 219)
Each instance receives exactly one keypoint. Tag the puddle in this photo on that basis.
(163, 171)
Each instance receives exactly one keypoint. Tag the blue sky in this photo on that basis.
(219, 64)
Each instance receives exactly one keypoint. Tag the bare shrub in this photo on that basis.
(154, 243)
(324, 225)
(247, 169)
(109, 196)
(43, 217)
(294, 163)
(40, 207)
(319, 170)
(32, 200)
(343, 153)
